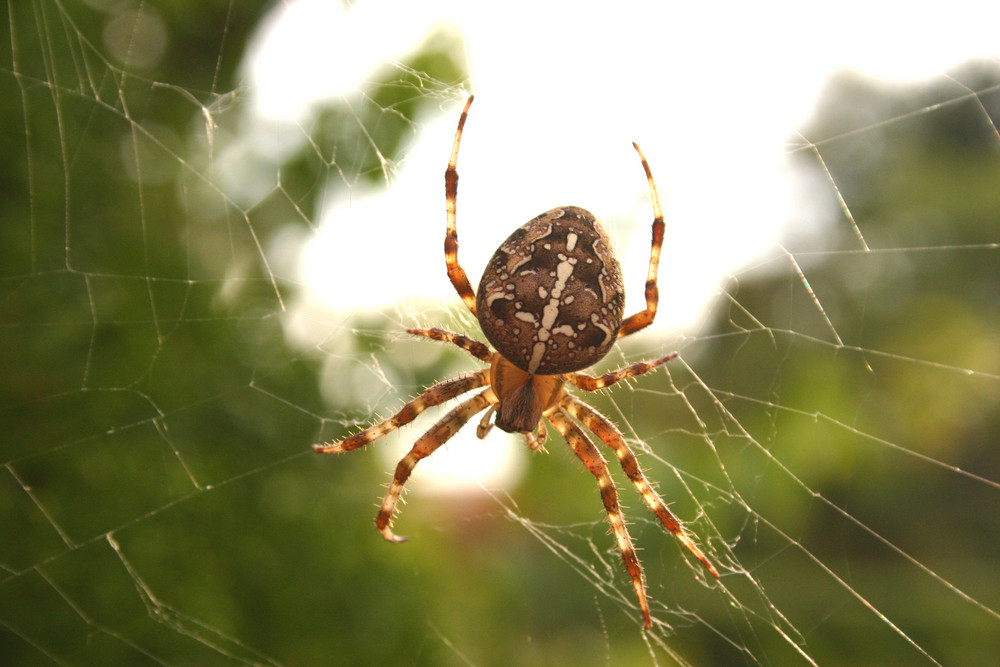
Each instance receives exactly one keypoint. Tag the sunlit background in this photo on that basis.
(565, 87)
(219, 218)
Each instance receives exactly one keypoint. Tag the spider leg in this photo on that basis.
(435, 395)
(479, 350)
(612, 437)
(591, 457)
(425, 445)
(455, 271)
(537, 439)
(588, 383)
(644, 318)
(486, 424)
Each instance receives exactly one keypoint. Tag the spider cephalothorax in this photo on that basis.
(551, 301)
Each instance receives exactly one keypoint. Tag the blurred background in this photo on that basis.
(219, 218)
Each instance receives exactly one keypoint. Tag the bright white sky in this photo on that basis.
(713, 92)
(563, 88)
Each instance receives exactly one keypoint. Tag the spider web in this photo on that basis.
(208, 266)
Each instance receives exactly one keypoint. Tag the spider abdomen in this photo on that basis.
(551, 299)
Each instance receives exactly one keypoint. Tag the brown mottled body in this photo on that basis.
(551, 301)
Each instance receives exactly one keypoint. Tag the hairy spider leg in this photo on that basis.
(425, 445)
(644, 318)
(595, 463)
(435, 395)
(455, 271)
(589, 383)
(612, 437)
(536, 440)
(479, 350)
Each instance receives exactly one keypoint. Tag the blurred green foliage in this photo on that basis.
(160, 502)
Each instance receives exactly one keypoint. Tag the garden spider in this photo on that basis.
(550, 301)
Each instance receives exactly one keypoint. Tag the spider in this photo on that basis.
(551, 302)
